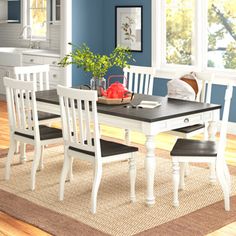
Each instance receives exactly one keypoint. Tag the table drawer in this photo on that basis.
(185, 121)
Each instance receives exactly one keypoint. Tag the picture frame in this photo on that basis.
(129, 27)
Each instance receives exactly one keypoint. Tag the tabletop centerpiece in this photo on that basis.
(97, 64)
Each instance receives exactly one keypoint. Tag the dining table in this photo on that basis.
(168, 115)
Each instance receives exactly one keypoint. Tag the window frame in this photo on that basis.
(200, 44)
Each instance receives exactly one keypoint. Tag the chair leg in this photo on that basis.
(96, 184)
(17, 146)
(9, 159)
(227, 176)
(35, 164)
(132, 173)
(41, 166)
(225, 187)
(22, 153)
(64, 172)
(182, 174)
(71, 169)
(175, 165)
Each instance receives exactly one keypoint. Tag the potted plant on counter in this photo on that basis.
(97, 64)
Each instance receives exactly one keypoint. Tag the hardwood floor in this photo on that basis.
(10, 226)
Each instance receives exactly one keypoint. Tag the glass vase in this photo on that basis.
(98, 84)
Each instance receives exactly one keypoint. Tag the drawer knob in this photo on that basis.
(54, 62)
(186, 120)
(54, 75)
(31, 60)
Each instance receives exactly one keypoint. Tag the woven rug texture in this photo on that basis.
(115, 214)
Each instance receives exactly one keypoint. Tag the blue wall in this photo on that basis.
(141, 58)
(94, 23)
(87, 27)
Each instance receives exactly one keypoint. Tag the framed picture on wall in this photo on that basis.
(129, 27)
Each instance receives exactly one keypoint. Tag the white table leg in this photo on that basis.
(212, 129)
(150, 166)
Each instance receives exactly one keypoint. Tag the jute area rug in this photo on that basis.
(115, 214)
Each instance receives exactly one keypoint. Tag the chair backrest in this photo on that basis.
(21, 104)
(224, 122)
(38, 73)
(207, 80)
(140, 79)
(79, 119)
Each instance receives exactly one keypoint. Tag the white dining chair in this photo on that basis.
(138, 79)
(39, 74)
(206, 80)
(24, 125)
(82, 140)
(198, 151)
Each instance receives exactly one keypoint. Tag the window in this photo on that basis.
(221, 51)
(37, 18)
(179, 32)
(196, 34)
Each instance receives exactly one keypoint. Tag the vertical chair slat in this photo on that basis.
(11, 107)
(87, 122)
(73, 113)
(146, 84)
(150, 84)
(41, 82)
(80, 121)
(27, 77)
(67, 110)
(136, 77)
(29, 110)
(22, 109)
(17, 107)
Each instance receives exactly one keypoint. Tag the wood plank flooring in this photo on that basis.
(10, 226)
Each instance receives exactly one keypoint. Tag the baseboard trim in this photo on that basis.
(231, 128)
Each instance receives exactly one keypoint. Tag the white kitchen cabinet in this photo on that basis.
(55, 70)
(3, 11)
(10, 11)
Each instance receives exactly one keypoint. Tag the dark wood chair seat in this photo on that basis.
(189, 147)
(45, 133)
(109, 148)
(46, 116)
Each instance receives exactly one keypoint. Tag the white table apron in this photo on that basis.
(150, 129)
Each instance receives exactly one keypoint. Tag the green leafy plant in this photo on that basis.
(97, 64)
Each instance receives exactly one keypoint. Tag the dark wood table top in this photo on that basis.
(169, 108)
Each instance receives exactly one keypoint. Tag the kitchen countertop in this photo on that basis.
(43, 52)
